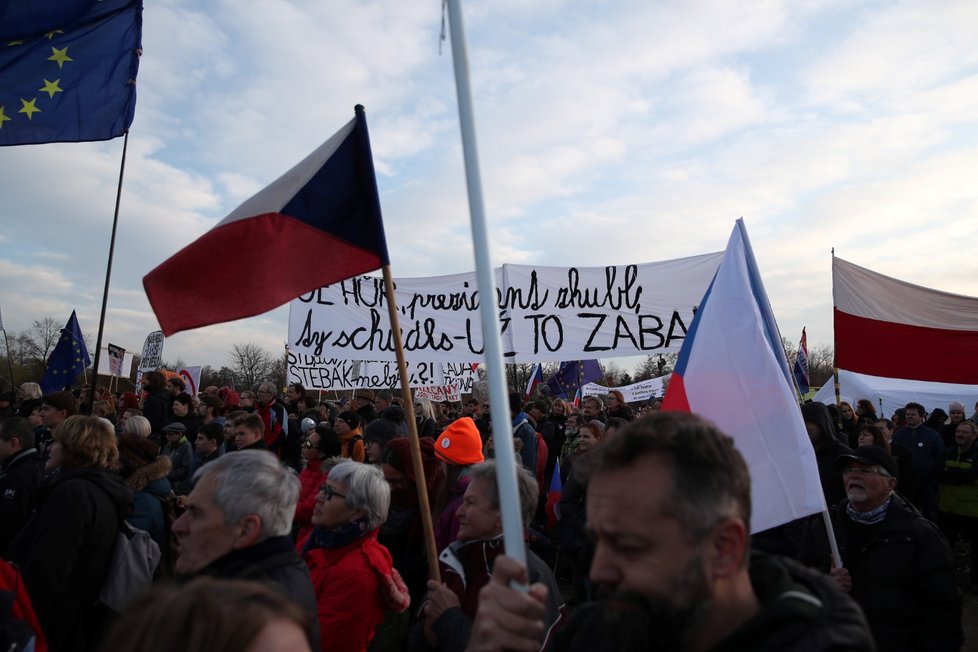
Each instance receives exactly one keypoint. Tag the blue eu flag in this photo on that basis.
(571, 376)
(73, 81)
(68, 360)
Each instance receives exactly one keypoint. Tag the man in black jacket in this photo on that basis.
(21, 470)
(896, 564)
(669, 504)
(237, 525)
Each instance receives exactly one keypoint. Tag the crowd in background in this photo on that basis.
(306, 512)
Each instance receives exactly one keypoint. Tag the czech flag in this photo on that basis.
(535, 380)
(553, 497)
(733, 371)
(318, 224)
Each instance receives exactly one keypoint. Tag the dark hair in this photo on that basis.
(710, 480)
(183, 398)
(876, 434)
(251, 422)
(916, 406)
(515, 402)
(20, 428)
(299, 389)
(352, 419)
(62, 401)
(177, 381)
(614, 423)
(203, 615)
(330, 444)
(153, 381)
(213, 402)
(889, 424)
(212, 431)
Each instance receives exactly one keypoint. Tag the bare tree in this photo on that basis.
(655, 365)
(250, 363)
(821, 359)
(41, 338)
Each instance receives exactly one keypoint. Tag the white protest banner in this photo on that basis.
(331, 374)
(151, 358)
(191, 376)
(640, 391)
(547, 313)
(439, 393)
(462, 375)
(105, 363)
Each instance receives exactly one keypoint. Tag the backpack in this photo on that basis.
(135, 557)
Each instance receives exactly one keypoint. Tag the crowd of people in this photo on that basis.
(285, 522)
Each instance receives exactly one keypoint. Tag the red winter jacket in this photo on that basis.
(355, 585)
(311, 479)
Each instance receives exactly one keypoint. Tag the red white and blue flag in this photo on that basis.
(733, 371)
(553, 497)
(801, 365)
(317, 224)
(535, 379)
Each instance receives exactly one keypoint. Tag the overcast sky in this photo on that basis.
(609, 133)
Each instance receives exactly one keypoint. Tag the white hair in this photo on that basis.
(253, 482)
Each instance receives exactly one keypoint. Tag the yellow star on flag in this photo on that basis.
(3, 117)
(29, 108)
(60, 55)
(12, 43)
(51, 34)
(51, 87)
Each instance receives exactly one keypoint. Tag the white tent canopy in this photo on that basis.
(897, 392)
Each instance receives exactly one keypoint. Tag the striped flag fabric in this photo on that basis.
(553, 497)
(890, 328)
(327, 205)
(535, 379)
(733, 371)
(801, 365)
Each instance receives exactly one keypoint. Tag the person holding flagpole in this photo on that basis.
(669, 503)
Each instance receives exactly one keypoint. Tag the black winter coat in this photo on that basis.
(275, 562)
(902, 577)
(20, 477)
(801, 611)
(64, 552)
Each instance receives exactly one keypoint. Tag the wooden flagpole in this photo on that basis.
(427, 522)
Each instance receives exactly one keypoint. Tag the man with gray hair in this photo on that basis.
(466, 563)
(237, 525)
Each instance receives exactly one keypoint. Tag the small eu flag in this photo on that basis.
(72, 81)
(68, 360)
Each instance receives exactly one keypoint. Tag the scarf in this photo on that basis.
(336, 537)
(872, 517)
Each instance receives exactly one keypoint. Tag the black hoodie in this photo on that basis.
(826, 452)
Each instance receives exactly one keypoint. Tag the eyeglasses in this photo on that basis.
(858, 470)
(330, 492)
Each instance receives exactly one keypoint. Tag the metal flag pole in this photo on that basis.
(108, 275)
(509, 501)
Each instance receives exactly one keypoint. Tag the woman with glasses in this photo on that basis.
(352, 574)
(320, 443)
